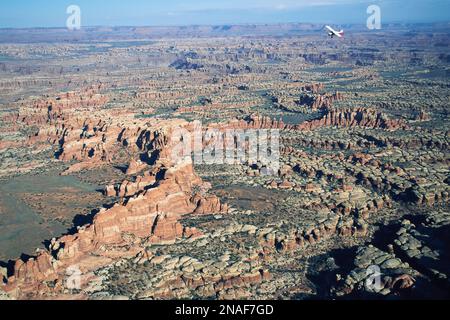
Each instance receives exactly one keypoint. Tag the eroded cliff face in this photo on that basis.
(361, 117)
(148, 213)
(151, 217)
(331, 117)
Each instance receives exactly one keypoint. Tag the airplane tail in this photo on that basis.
(341, 33)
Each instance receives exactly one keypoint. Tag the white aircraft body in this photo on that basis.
(333, 33)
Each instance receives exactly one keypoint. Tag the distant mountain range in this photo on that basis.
(9, 35)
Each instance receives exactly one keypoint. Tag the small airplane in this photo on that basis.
(332, 33)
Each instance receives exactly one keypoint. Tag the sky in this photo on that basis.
(52, 13)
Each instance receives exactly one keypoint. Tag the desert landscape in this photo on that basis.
(93, 204)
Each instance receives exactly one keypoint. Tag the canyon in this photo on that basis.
(96, 202)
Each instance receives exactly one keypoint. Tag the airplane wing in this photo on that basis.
(330, 29)
(333, 32)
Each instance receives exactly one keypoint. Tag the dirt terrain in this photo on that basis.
(89, 180)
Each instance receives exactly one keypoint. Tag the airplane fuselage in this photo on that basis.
(333, 33)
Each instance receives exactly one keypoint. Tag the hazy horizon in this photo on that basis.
(140, 13)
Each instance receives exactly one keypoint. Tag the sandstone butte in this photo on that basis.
(150, 215)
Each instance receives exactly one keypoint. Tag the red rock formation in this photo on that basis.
(127, 188)
(320, 102)
(152, 215)
(423, 116)
(52, 110)
(294, 239)
(257, 122)
(286, 185)
(361, 158)
(361, 117)
(314, 87)
(208, 204)
(166, 228)
(135, 166)
(153, 204)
